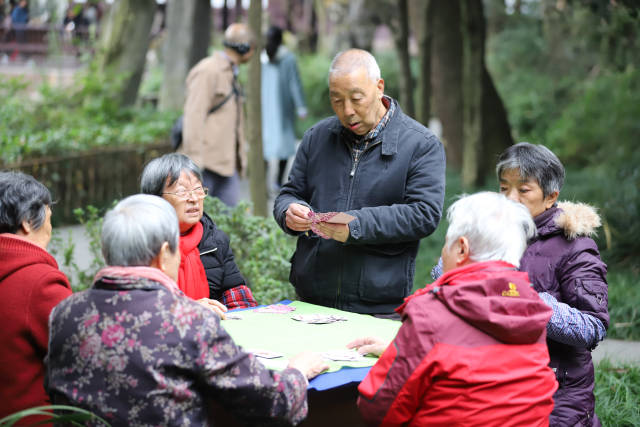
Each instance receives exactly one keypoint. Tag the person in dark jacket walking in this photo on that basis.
(376, 164)
(564, 266)
(471, 349)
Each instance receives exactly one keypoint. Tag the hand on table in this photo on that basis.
(296, 217)
(369, 345)
(339, 232)
(214, 305)
(310, 364)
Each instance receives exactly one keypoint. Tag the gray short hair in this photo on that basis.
(22, 199)
(348, 61)
(535, 162)
(168, 167)
(136, 228)
(496, 228)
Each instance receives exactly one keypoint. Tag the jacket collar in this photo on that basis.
(545, 222)
(390, 135)
(119, 277)
(450, 276)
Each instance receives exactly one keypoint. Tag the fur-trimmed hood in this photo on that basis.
(571, 219)
(578, 219)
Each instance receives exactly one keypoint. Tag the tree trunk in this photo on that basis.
(472, 28)
(401, 39)
(124, 43)
(360, 25)
(308, 34)
(238, 17)
(257, 176)
(424, 47)
(325, 39)
(496, 131)
(186, 43)
(225, 15)
(446, 76)
(457, 110)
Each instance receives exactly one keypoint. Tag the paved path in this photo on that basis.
(618, 351)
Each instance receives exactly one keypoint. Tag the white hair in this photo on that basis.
(496, 228)
(136, 228)
(348, 61)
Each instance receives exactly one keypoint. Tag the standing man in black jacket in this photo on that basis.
(377, 164)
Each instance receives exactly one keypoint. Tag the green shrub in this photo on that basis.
(617, 394)
(624, 312)
(262, 250)
(63, 120)
(572, 83)
(81, 278)
(63, 415)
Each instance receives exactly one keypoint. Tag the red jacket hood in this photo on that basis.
(17, 253)
(495, 298)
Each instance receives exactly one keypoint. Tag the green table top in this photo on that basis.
(279, 333)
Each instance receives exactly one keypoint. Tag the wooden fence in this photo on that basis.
(97, 177)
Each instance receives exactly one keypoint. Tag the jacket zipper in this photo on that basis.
(352, 173)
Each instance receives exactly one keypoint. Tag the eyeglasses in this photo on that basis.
(199, 193)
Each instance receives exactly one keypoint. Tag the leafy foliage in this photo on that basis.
(60, 120)
(617, 394)
(81, 278)
(624, 313)
(262, 250)
(62, 414)
(570, 78)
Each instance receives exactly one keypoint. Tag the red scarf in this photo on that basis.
(192, 279)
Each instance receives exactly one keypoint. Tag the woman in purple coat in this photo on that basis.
(565, 268)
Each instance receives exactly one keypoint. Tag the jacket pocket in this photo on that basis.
(303, 266)
(592, 298)
(384, 279)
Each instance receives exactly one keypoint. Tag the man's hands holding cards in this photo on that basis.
(328, 225)
(369, 345)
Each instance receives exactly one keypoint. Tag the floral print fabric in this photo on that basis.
(137, 352)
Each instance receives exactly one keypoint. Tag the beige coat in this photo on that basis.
(213, 141)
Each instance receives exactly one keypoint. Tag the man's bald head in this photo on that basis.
(238, 33)
(351, 60)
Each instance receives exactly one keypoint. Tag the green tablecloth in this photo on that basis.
(279, 333)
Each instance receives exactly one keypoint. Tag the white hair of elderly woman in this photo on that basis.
(496, 228)
(135, 229)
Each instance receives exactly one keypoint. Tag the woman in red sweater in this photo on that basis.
(30, 286)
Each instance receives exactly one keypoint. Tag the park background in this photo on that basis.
(85, 105)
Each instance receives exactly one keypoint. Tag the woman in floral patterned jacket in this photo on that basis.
(135, 351)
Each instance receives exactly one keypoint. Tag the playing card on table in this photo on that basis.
(275, 308)
(265, 354)
(342, 355)
(233, 316)
(318, 318)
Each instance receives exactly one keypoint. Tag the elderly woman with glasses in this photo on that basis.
(134, 350)
(30, 286)
(208, 271)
